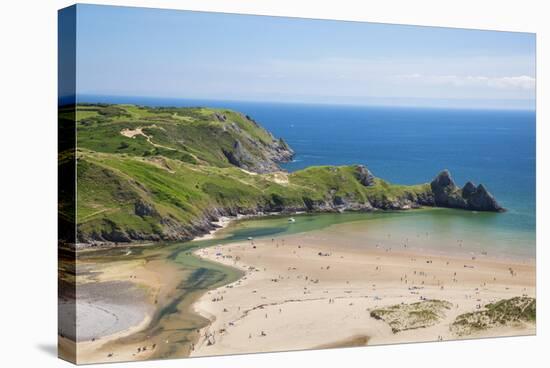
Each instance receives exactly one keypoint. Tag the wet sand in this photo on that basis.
(109, 309)
(139, 306)
(312, 291)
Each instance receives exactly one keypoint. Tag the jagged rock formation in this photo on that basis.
(448, 194)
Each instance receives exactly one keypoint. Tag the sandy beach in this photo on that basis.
(307, 290)
(312, 291)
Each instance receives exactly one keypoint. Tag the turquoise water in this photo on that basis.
(409, 146)
(437, 230)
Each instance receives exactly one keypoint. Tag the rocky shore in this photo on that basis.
(471, 197)
(442, 192)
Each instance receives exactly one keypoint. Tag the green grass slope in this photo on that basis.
(192, 135)
(165, 174)
(123, 197)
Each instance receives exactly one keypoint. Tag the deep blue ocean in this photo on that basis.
(406, 146)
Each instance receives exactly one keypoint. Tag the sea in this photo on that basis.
(406, 145)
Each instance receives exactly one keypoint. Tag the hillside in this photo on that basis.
(194, 135)
(169, 173)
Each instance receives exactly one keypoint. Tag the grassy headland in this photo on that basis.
(154, 174)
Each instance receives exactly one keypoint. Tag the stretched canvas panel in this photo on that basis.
(236, 184)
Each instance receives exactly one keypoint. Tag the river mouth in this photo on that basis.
(155, 285)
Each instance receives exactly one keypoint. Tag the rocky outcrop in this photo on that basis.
(239, 156)
(445, 191)
(283, 152)
(143, 209)
(364, 176)
(220, 117)
(272, 154)
(256, 149)
(447, 194)
(481, 200)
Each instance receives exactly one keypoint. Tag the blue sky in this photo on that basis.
(179, 54)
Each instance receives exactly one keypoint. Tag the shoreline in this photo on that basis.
(224, 221)
(288, 290)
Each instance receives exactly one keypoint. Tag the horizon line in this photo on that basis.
(78, 96)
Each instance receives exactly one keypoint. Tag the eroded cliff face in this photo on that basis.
(471, 197)
(251, 154)
(270, 156)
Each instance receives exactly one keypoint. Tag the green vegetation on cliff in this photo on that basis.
(122, 196)
(168, 173)
(192, 135)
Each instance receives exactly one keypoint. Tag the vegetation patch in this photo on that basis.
(507, 312)
(402, 317)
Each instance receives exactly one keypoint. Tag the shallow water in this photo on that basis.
(437, 230)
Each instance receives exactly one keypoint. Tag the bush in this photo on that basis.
(123, 145)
